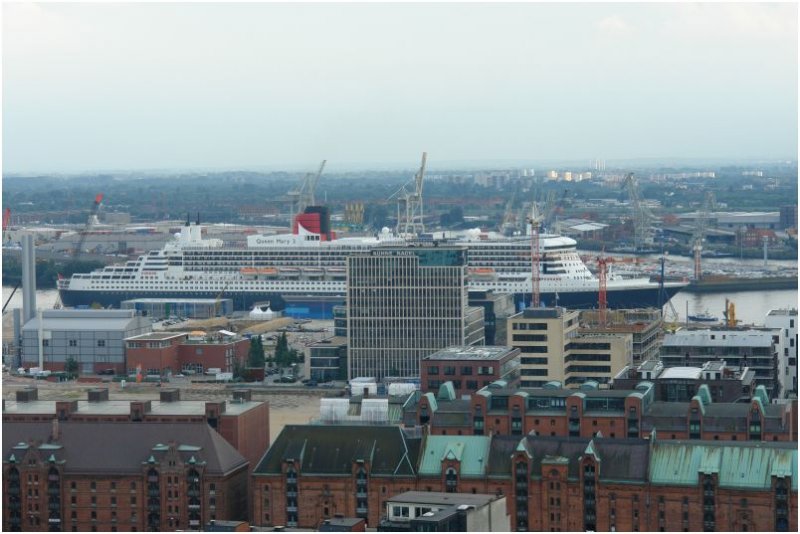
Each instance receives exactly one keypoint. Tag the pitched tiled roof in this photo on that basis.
(322, 449)
(620, 459)
(94, 447)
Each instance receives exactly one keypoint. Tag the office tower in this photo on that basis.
(404, 304)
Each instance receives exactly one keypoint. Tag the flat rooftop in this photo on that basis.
(156, 336)
(330, 342)
(783, 312)
(443, 499)
(471, 353)
(168, 301)
(689, 373)
(123, 407)
(719, 338)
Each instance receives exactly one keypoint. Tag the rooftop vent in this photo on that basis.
(242, 395)
(98, 394)
(170, 395)
(27, 395)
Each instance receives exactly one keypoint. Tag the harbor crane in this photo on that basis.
(553, 207)
(642, 216)
(304, 196)
(699, 234)
(410, 219)
(91, 221)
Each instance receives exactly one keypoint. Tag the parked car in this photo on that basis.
(311, 383)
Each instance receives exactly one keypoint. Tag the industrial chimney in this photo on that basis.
(28, 278)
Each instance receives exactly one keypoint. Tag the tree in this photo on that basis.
(255, 356)
(71, 367)
(282, 353)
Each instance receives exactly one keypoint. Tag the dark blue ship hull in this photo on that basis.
(321, 306)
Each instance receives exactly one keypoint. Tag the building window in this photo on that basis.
(101, 342)
(73, 342)
(433, 370)
(450, 480)
(449, 370)
(466, 371)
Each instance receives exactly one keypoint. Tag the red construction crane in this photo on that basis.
(6, 218)
(602, 276)
(535, 220)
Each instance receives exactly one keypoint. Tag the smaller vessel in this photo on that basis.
(704, 317)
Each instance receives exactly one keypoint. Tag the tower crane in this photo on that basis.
(535, 221)
(603, 263)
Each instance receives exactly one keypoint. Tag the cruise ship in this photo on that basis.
(304, 272)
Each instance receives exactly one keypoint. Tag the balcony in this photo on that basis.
(193, 506)
(291, 480)
(53, 478)
(361, 509)
(291, 509)
(361, 494)
(291, 493)
(152, 479)
(708, 493)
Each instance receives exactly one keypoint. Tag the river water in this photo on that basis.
(751, 306)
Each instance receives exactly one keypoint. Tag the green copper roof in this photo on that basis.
(705, 394)
(471, 451)
(761, 394)
(741, 466)
(447, 392)
(590, 450)
(432, 401)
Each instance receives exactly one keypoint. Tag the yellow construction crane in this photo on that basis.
(730, 314)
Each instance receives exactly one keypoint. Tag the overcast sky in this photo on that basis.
(144, 86)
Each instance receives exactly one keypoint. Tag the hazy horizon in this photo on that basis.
(127, 87)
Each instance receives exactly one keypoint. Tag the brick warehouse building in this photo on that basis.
(92, 476)
(193, 352)
(469, 368)
(555, 411)
(312, 473)
(242, 422)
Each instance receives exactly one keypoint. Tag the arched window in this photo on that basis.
(450, 480)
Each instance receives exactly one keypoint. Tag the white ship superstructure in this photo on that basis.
(307, 263)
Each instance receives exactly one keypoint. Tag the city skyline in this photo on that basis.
(192, 86)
